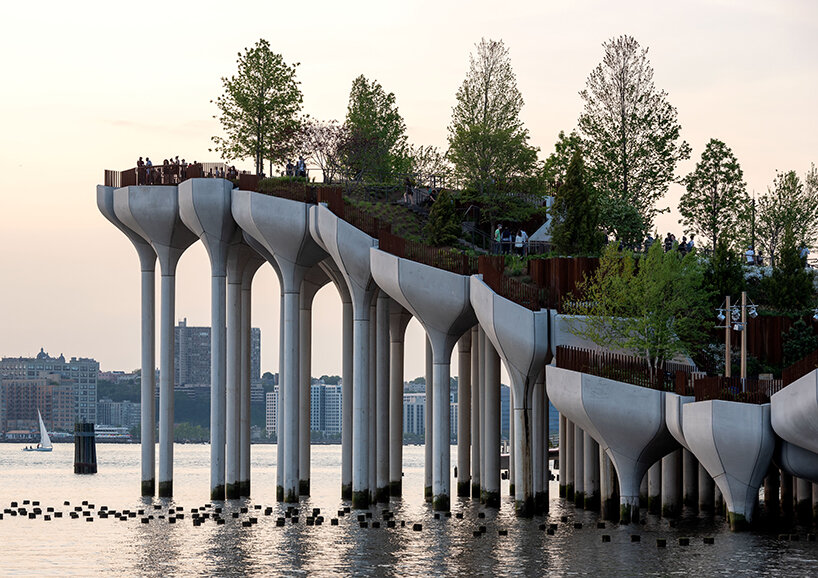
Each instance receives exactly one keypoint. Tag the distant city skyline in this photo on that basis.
(82, 98)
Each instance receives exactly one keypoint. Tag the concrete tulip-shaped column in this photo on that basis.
(464, 414)
(313, 281)
(204, 205)
(626, 420)
(382, 387)
(242, 263)
(475, 413)
(490, 494)
(349, 249)
(251, 265)
(282, 227)
(794, 412)
(147, 265)
(440, 301)
(521, 338)
(153, 214)
(399, 318)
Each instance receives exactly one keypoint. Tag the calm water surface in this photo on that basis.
(444, 547)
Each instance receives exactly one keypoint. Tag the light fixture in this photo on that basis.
(735, 313)
(815, 316)
(738, 327)
(721, 316)
(753, 312)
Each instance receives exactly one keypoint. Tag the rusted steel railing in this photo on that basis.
(674, 377)
(800, 368)
(560, 276)
(492, 267)
(440, 257)
(746, 390)
(170, 174)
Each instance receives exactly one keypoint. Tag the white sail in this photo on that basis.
(45, 441)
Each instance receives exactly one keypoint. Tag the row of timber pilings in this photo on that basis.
(674, 483)
(308, 247)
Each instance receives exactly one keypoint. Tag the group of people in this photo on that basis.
(299, 169)
(508, 241)
(670, 242)
(172, 171)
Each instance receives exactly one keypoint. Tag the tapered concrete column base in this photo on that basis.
(463, 489)
(490, 499)
(217, 493)
(291, 497)
(579, 498)
(524, 508)
(244, 489)
(382, 495)
(166, 489)
(280, 493)
(148, 487)
(360, 500)
(303, 487)
(592, 501)
(629, 509)
(346, 491)
(395, 489)
(441, 503)
(232, 491)
(427, 493)
(563, 491)
(475, 491)
(569, 491)
(541, 503)
(738, 523)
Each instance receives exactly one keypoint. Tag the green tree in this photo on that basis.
(790, 287)
(259, 108)
(724, 274)
(443, 226)
(376, 145)
(488, 143)
(716, 196)
(555, 168)
(798, 342)
(575, 213)
(656, 311)
(790, 205)
(321, 143)
(630, 139)
(426, 162)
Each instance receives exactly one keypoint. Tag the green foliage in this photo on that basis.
(331, 379)
(575, 213)
(555, 168)
(656, 311)
(790, 287)
(443, 227)
(258, 110)
(426, 162)
(487, 140)
(791, 205)
(716, 196)
(187, 432)
(724, 274)
(798, 342)
(119, 391)
(375, 146)
(630, 138)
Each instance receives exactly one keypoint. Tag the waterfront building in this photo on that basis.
(124, 414)
(271, 404)
(20, 398)
(414, 413)
(80, 372)
(191, 352)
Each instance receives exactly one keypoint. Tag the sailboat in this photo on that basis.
(45, 441)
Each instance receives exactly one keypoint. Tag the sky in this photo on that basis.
(89, 86)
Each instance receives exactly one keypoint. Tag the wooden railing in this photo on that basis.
(747, 390)
(800, 368)
(172, 174)
(673, 377)
(560, 276)
(440, 257)
(492, 267)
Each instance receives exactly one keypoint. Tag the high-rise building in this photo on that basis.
(414, 413)
(326, 407)
(191, 350)
(79, 372)
(20, 398)
(271, 412)
(118, 413)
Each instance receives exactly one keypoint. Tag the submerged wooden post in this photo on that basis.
(85, 449)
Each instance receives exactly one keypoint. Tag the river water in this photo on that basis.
(445, 546)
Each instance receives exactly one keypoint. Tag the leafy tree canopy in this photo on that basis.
(259, 108)
(555, 168)
(443, 226)
(631, 139)
(790, 287)
(575, 213)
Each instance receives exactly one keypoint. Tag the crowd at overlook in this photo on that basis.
(172, 171)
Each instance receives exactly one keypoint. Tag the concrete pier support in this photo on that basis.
(464, 415)
(250, 269)
(476, 403)
(787, 495)
(609, 501)
(491, 477)
(383, 350)
(563, 441)
(511, 442)
(672, 484)
(360, 417)
(690, 480)
(441, 481)
(147, 266)
(539, 445)
(232, 490)
(643, 492)
(570, 467)
(348, 363)
(579, 466)
(772, 489)
(591, 471)
(707, 491)
(153, 214)
(655, 488)
(398, 320)
(803, 505)
(373, 399)
(815, 501)
(428, 415)
(481, 464)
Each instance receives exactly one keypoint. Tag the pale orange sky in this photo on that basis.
(93, 85)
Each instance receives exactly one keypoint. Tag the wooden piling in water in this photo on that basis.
(85, 449)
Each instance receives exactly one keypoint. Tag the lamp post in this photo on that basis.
(735, 318)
